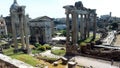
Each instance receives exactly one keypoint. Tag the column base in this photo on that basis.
(29, 51)
(71, 50)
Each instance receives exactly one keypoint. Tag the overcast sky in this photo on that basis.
(54, 8)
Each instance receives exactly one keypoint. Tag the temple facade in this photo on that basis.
(82, 18)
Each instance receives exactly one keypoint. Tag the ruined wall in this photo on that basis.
(4, 64)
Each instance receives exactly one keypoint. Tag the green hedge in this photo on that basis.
(44, 47)
(48, 47)
(37, 45)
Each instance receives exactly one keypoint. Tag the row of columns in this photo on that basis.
(22, 21)
(84, 26)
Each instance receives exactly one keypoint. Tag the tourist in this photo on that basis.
(112, 62)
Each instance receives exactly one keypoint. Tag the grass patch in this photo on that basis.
(88, 40)
(58, 52)
(22, 57)
(26, 58)
(34, 51)
(48, 59)
(8, 52)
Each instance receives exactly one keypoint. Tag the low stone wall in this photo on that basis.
(4, 64)
(7, 62)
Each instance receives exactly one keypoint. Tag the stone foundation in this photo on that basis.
(71, 50)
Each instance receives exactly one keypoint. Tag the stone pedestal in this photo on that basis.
(71, 64)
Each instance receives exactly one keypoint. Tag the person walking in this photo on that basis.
(112, 62)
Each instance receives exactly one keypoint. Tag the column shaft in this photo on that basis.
(68, 28)
(88, 25)
(26, 20)
(13, 21)
(22, 31)
(74, 27)
(85, 28)
(82, 28)
(94, 25)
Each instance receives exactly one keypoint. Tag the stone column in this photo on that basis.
(26, 20)
(94, 25)
(13, 21)
(22, 31)
(79, 21)
(36, 35)
(85, 28)
(68, 28)
(77, 26)
(5, 26)
(82, 28)
(74, 27)
(88, 25)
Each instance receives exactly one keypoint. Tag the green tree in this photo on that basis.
(114, 26)
(63, 32)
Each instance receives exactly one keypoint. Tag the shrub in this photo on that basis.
(48, 47)
(42, 48)
(37, 44)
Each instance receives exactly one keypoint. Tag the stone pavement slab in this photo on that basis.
(95, 63)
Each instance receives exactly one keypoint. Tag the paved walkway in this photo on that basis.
(95, 63)
(109, 39)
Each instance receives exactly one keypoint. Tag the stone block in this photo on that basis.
(71, 64)
(55, 63)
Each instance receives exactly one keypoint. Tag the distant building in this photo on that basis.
(8, 23)
(41, 30)
(3, 27)
(105, 20)
(60, 27)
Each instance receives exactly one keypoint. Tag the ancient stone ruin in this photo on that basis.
(86, 16)
(19, 20)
